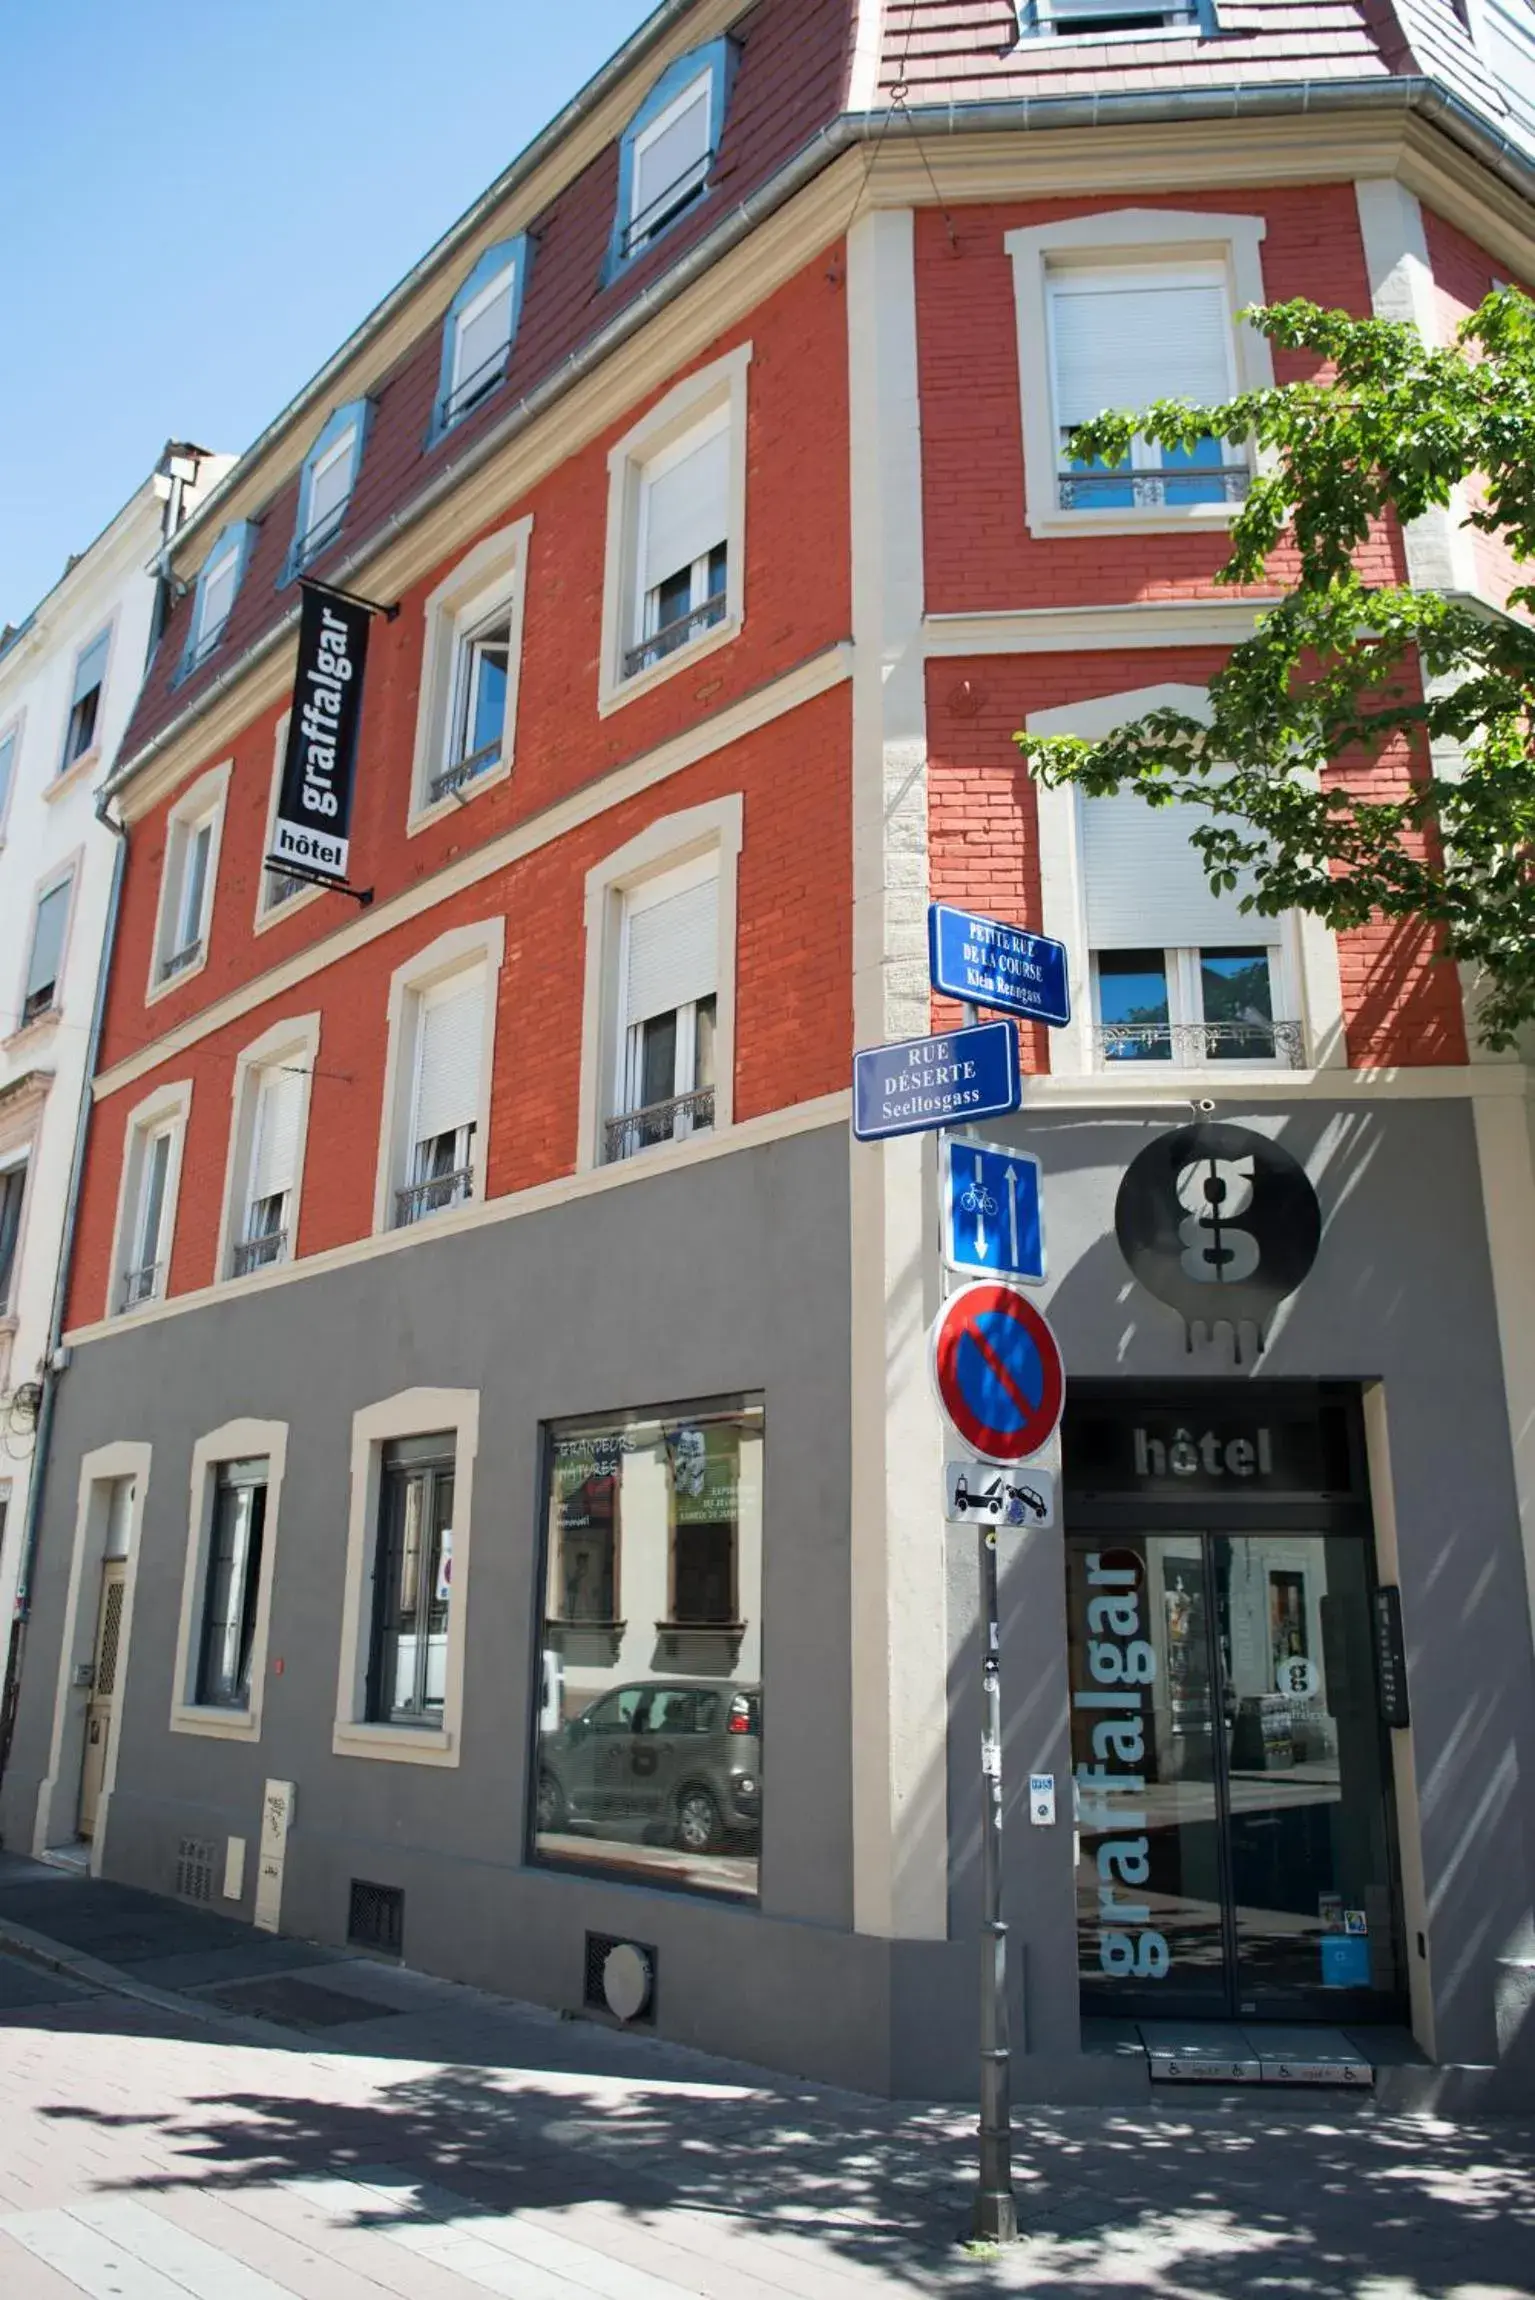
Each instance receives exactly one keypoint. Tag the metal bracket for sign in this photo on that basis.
(369, 606)
(361, 895)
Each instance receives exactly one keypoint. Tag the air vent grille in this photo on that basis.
(194, 1869)
(620, 1977)
(376, 1917)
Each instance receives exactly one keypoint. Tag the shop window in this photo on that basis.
(664, 1091)
(673, 583)
(412, 1583)
(479, 331)
(650, 1743)
(668, 149)
(231, 1585)
(45, 958)
(82, 730)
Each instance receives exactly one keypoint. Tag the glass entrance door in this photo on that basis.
(1235, 1850)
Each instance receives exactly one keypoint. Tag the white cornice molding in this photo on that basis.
(803, 684)
(1071, 630)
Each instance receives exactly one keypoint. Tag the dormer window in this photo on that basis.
(217, 585)
(1102, 19)
(668, 149)
(325, 486)
(480, 329)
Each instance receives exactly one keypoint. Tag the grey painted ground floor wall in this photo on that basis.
(733, 1276)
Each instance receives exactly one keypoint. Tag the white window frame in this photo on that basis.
(291, 1044)
(65, 872)
(12, 731)
(201, 802)
(241, 1440)
(487, 580)
(1305, 952)
(69, 771)
(1159, 240)
(713, 830)
(1184, 1001)
(1182, 20)
(15, 1158)
(503, 282)
(680, 413)
(167, 1109)
(695, 175)
(462, 950)
(268, 911)
(311, 543)
(410, 1413)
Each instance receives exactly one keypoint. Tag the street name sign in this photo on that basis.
(921, 1083)
(985, 963)
(993, 1225)
(997, 1369)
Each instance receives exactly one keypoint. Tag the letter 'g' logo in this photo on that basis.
(1219, 1222)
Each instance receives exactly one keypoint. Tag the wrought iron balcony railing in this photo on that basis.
(430, 1197)
(259, 1253)
(677, 195)
(464, 771)
(1153, 490)
(140, 1285)
(675, 634)
(1190, 1045)
(180, 960)
(659, 1122)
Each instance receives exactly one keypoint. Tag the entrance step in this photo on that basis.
(1215, 2052)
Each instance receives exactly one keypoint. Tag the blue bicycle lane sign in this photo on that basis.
(993, 1223)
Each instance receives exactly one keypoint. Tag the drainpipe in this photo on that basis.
(179, 466)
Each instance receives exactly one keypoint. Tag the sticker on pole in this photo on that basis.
(998, 1373)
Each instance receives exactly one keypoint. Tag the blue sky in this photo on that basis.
(199, 202)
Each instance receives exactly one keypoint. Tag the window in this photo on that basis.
(325, 485)
(1119, 339)
(445, 1097)
(412, 1583)
(480, 329)
(215, 594)
(232, 1584)
(278, 887)
(466, 717)
(192, 833)
(400, 1691)
(13, 1190)
(10, 745)
(85, 701)
(1115, 310)
(676, 530)
(650, 1725)
(147, 1204)
(281, 1101)
(1098, 19)
(668, 148)
(45, 961)
(664, 1090)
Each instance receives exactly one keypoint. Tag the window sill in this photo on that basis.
(396, 1744)
(423, 818)
(29, 1032)
(163, 985)
(613, 694)
(216, 1724)
(78, 771)
(1157, 519)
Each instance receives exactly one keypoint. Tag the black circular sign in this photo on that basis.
(1218, 1222)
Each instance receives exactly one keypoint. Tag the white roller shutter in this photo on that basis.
(1146, 886)
(1121, 343)
(673, 953)
(667, 157)
(274, 1153)
(686, 505)
(452, 1024)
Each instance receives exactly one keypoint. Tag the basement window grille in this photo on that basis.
(376, 1917)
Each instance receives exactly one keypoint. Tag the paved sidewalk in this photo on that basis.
(369, 2131)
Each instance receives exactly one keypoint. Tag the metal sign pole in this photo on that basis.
(996, 2212)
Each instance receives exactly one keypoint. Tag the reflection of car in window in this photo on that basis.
(684, 1755)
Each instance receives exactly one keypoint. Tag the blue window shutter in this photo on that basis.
(514, 256)
(716, 57)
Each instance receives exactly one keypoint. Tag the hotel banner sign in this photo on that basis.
(311, 834)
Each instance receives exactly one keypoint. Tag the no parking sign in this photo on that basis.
(998, 1372)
